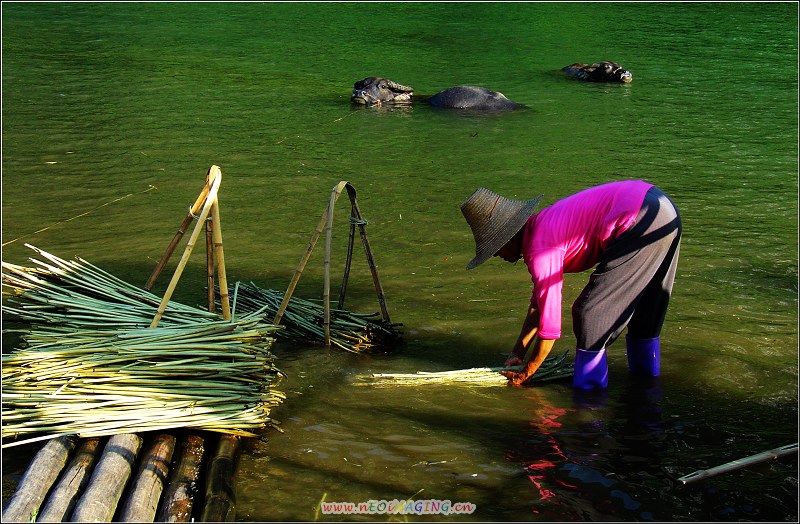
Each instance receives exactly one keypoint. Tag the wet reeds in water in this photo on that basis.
(553, 368)
(304, 320)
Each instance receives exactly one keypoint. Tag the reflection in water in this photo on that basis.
(574, 470)
(616, 455)
(545, 422)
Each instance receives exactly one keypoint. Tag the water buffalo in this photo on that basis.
(376, 91)
(599, 72)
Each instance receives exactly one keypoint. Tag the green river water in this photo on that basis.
(119, 109)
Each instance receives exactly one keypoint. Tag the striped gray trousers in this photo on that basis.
(632, 283)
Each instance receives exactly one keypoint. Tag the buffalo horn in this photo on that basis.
(399, 87)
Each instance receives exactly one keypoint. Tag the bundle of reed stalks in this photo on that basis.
(78, 294)
(553, 368)
(91, 365)
(216, 376)
(304, 320)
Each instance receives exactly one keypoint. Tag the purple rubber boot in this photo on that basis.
(591, 369)
(644, 356)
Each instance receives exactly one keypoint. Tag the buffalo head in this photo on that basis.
(600, 72)
(376, 90)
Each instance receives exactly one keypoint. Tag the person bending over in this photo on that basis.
(629, 231)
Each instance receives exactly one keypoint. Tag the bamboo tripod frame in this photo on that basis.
(326, 223)
(207, 204)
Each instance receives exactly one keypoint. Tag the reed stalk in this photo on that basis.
(304, 321)
(553, 368)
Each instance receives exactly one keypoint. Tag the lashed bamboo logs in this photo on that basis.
(220, 499)
(38, 479)
(99, 502)
(177, 501)
(144, 494)
(62, 499)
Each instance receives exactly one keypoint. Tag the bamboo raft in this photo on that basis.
(131, 411)
(130, 477)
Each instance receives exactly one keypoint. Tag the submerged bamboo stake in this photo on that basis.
(220, 499)
(42, 472)
(216, 176)
(177, 501)
(740, 463)
(99, 502)
(144, 494)
(61, 501)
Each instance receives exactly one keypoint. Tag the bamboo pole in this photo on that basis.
(210, 199)
(348, 261)
(324, 219)
(351, 191)
(790, 449)
(219, 256)
(210, 264)
(42, 472)
(177, 501)
(61, 501)
(300, 267)
(144, 494)
(182, 228)
(220, 498)
(326, 286)
(99, 502)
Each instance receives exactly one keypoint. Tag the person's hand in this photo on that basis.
(515, 378)
(512, 360)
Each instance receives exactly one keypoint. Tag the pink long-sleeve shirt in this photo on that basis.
(570, 236)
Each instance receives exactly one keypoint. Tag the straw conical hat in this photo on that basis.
(494, 220)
